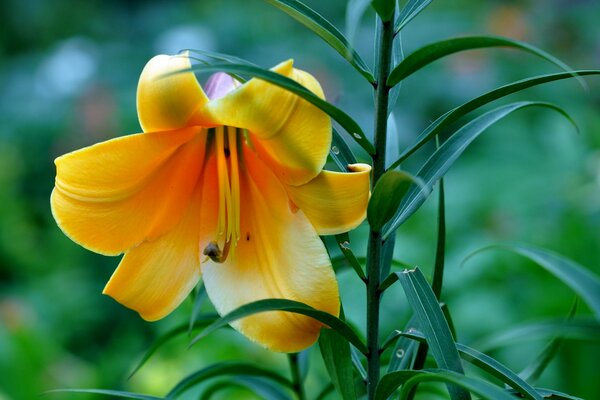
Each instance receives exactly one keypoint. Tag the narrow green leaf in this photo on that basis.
(387, 195)
(287, 306)
(477, 386)
(453, 115)
(489, 365)
(201, 322)
(404, 349)
(261, 387)
(343, 241)
(201, 297)
(392, 381)
(113, 393)
(433, 324)
(340, 151)
(553, 394)
(434, 51)
(578, 278)
(443, 158)
(578, 329)
(225, 368)
(336, 355)
(534, 370)
(324, 29)
(384, 8)
(408, 12)
(440, 245)
(358, 364)
(289, 84)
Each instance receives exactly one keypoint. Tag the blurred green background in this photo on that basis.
(68, 73)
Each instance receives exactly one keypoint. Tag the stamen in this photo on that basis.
(213, 251)
(225, 206)
(235, 180)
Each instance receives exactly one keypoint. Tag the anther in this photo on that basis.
(213, 251)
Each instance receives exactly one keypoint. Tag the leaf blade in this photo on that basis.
(336, 355)
(288, 306)
(434, 51)
(325, 30)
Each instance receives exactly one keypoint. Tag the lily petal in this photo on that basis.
(291, 135)
(167, 99)
(155, 277)
(112, 196)
(278, 256)
(334, 202)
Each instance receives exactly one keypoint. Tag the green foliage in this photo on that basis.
(336, 355)
(323, 28)
(387, 195)
(385, 8)
(411, 9)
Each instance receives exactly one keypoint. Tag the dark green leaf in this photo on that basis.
(201, 322)
(384, 8)
(453, 115)
(434, 51)
(113, 393)
(325, 392)
(440, 245)
(554, 395)
(340, 152)
(408, 12)
(477, 386)
(343, 241)
(387, 195)
(578, 278)
(201, 297)
(336, 355)
(392, 381)
(289, 84)
(431, 320)
(261, 387)
(488, 364)
(358, 364)
(225, 368)
(578, 329)
(322, 27)
(286, 306)
(444, 157)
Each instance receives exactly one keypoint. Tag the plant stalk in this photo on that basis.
(296, 376)
(374, 252)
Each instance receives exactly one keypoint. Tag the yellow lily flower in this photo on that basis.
(228, 185)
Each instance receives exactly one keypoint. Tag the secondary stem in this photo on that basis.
(296, 376)
(374, 252)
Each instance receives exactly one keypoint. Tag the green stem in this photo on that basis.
(374, 252)
(296, 376)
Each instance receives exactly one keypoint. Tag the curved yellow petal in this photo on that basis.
(279, 255)
(291, 135)
(167, 99)
(334, 202)
(155, 277)
(112, 196)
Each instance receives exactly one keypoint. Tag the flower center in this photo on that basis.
(227, 147)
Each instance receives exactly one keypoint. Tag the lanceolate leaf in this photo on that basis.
(453, 115)
(201, 321)
(265, 389)
(354, 13)
(343, 241)
(581, 280)
(336, 355)
(289, 84)
(442, 159)
(408, 379)
(477, 386)
(286, 306)
(489, 365)
(408, 12)
(225, 368)
(434, 51)
(322, 27)
(111, 393)
(431, 321)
